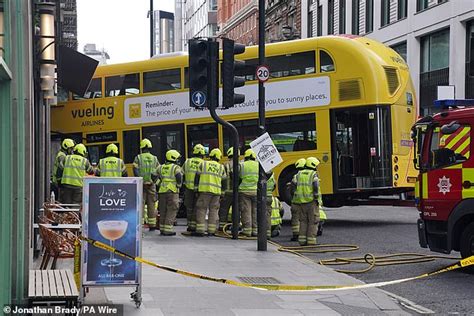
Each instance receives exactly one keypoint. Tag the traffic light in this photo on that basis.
(199, 62)
(229, 80)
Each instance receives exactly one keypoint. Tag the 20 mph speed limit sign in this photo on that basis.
(263, 73)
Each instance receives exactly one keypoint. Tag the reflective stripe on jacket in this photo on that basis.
(190, 168)
(167, 174)
(211, 174)
(75, 168)
(249, 176)
(146, 163)
(276, 206)
(111, 167)
(271, 184)
(304, 192)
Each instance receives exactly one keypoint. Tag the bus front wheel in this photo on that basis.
(467, 241)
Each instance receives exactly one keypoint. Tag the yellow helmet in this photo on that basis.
(216, 153)
(80, 149)
(199, 149)
(312, 162)
(230, 152)
(300, 163)
(249, 153)
(145, 143)
(67, 143)
(111, 148)
(172, 155)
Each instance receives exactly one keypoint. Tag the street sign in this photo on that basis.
(263, 73)
(199, 98)
(267, 154)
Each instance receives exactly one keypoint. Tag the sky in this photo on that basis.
(120, 27)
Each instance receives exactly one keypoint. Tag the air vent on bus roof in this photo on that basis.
(349, 90)
(392, 79)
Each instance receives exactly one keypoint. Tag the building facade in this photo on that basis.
(238, 20)
(282, 20)
(17, 139)
(200, 19)
(435, 37)
(68, 23)
(164, 32)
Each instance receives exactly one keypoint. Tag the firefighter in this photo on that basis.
(67, 147)
(71, 172)
(305, 189)
(190, 168)
(170, 180)
(226, 201)
(295, 216)
(271, 185)
(145, 165)
(248, 174)
(112, 165)
(208, 183)
(277, 210)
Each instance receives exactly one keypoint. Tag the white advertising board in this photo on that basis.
(298, 93)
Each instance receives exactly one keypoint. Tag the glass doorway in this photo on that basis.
(361, 141)
(165, 138)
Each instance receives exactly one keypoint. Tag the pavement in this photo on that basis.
(167, 293)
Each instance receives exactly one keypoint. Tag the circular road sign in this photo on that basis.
(198, 98)
(263, 73)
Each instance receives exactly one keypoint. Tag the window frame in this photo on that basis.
(355, 17)
(138, 74)
(369, 16)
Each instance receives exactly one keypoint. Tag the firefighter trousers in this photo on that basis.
(226, 203)
(248, 213)
(190, 205)
(149, 198)
(168, 204)
(204, 201)
(309, 220)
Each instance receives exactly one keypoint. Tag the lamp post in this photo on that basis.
(47, 67)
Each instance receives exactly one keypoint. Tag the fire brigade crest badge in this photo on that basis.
(444, 185)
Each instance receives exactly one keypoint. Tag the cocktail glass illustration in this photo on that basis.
(112, 230)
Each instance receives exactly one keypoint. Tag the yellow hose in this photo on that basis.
(371, 260)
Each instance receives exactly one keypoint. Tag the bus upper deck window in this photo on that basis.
(162, 80)
(94, 91)
(293, 64)
(122, 85)
(327, 64)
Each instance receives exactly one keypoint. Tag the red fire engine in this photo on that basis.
(445, 186)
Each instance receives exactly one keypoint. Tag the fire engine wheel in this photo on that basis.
(467, 241)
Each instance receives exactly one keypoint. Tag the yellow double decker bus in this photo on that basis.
(349, 101)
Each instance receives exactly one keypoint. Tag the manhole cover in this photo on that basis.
(259, 280)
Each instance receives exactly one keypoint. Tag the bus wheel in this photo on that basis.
(467, 243)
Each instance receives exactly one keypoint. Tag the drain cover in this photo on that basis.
(259, 280)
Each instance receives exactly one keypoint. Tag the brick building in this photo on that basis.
(237, 19)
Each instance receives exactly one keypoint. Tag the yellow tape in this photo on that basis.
(278, 287)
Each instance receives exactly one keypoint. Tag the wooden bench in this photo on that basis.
(52, 286)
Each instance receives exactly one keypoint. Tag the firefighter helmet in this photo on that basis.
(80, 149)
(312, 162)
(249, 153)
(216, 153)
(172, 155)
(145, 143)
(112, 148)
(199, 149)
(300, 163)
(67, 143)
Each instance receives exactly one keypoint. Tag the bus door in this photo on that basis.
(362, 145)
(164, 138)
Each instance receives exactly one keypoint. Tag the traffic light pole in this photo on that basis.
(262, 178)
(213, 104)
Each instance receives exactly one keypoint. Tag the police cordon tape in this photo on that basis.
(278, 287)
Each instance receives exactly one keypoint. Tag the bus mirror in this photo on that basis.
(450, 128)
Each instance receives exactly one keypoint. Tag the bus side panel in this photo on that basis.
(403, 150)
